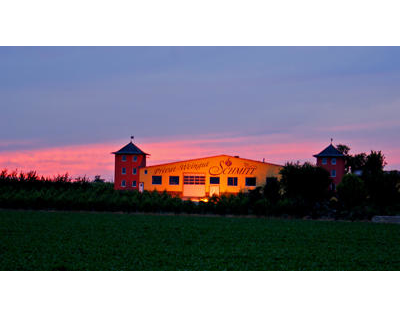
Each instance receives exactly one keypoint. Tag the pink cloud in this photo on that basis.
(92, 159)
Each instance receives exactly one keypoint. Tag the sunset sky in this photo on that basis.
(65, 109)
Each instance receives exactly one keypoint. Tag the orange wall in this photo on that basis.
(222, 166)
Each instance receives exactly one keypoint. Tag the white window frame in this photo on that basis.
(134, 171)
(123, 170)
(123, 183)
(123, 158)
(333, 161)
(324, 161)
(134, 182)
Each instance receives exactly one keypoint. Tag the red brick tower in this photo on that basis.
(332, 160)
(128, 161)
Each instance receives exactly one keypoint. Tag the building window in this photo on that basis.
(134, 171)
(251, 182)
(324, 161)
(232, 181)
(123, 158)
(333, 161)
(145, 172)
(333, 186)
(174, 180)
(123, 183)
(123, 170)
(214, 180)
(134, 158)
(333, 173)
(134, 184)
(194, 180)
(156, 180)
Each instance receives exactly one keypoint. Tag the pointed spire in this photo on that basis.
(331, 140)
(132, 137)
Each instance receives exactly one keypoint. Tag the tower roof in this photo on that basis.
(330, 151)
(130, 149)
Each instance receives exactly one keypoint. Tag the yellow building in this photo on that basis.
(204, 177)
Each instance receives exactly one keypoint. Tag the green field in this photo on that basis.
(34, 240)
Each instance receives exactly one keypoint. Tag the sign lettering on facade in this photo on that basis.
(225, 168)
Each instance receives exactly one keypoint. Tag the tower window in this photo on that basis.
(324, 161)
(134, 171)
(333, 161)
(333, 173)
(134, 158)
(123, 170)
(123, 158)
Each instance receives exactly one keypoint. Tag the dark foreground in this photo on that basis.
(34, 240)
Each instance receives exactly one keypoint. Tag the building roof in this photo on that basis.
(330, 151)
(130, 149)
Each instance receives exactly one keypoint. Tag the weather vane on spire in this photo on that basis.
(132, 137)
(331, 140)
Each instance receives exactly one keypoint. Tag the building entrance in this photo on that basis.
(214, 189)
(194, 185)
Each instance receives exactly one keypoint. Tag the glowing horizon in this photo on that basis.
(96, 158)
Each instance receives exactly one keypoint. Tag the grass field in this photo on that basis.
(34, 240)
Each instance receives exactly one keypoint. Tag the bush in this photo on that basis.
(351, 191)
(305, 183)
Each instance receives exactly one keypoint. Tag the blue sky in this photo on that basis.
(65, 96)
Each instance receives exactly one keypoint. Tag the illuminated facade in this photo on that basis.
(195, 178)
(128, 161)
(204, 177)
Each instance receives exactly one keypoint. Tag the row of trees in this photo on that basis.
(303, 190)
(365, 190)
(367, 186)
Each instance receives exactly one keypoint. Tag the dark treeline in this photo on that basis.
(302, 191)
